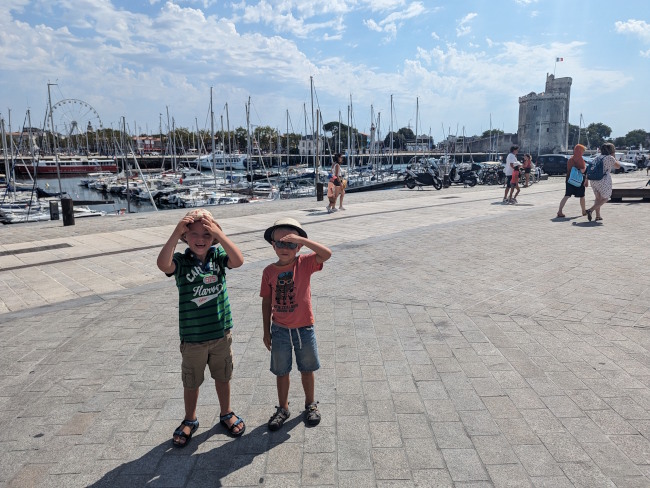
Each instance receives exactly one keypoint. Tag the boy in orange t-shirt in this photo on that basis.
(287, 314)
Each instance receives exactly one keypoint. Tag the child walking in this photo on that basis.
(514, 184)
(204, 314)
(287, 314)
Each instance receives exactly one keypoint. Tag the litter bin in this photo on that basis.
(54, 210)
(319, 192)
(67, 211)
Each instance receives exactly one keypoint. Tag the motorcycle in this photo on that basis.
(422, 175)
(467, 177)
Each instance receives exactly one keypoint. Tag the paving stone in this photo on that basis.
(537, 460)
(509, 476)
(464, 465)
(479, 423)
(563, 447)
(635, 447)
(611, 423)
(494, 450)
(542, 391)
(610, 460)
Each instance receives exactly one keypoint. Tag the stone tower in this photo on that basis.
(544, 118)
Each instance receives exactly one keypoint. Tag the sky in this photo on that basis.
(449, 67)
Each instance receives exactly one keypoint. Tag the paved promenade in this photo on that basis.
(463, 343)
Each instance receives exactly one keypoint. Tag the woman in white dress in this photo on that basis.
(603, 188)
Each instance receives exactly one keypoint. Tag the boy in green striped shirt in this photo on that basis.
(204, 314)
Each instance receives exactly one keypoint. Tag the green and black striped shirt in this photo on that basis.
(203, 306)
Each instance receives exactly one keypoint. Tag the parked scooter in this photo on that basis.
(422, 175)
(467, 177)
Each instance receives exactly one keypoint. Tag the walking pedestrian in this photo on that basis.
(603, 187)
(511, 159)
(571, 190)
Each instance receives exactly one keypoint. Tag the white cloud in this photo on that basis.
(435, 36)
(463, 28)
(525, 2)
(293, 16)
(638, 28)
(393, 21)
(645, 54)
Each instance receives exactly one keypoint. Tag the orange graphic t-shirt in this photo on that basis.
(289, 288)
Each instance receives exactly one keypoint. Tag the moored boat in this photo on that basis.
(67, 166)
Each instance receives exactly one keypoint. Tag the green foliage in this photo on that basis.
(493, 133)
(598, 133)
(636, 137)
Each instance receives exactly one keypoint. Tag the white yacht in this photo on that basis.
(222, 161)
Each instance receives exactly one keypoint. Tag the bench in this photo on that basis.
(618, 194)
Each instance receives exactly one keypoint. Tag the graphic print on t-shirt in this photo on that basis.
(211, 288)
(284, 293)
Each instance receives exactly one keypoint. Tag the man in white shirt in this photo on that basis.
(510, 166)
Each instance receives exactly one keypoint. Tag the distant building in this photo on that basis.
(544, 118)
(307, 145)
(147, 144)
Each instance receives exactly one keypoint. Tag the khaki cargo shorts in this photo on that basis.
(216, 354)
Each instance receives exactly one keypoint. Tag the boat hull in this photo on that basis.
(67, 168)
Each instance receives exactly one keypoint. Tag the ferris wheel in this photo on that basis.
(73, 117)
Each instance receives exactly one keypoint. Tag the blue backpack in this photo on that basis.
(595, 171)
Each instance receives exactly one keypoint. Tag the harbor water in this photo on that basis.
(71, 185)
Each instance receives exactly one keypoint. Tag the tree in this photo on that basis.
(620, 142)
(597, 133)
(492, 133)
(265, 136)
(240, 139)
(634, 138)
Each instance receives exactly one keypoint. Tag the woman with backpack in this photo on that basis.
(601, 179)
(575, 188)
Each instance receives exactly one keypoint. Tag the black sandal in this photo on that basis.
(278, 418)
(192, 424)
(312, 415)
(231, 428)
(589, 215)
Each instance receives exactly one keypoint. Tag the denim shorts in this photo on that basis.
(302, 341)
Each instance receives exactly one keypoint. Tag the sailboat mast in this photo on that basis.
(56, 152)
(229, 144)
(212, 134)
(351, 161)
(349, 142)
(417, 116)
(313, 126)
(391, 131)
(338, 133)
(248, 143)
(4, 150)
(287, 142)
(11, 152)
(127, 171)
(169, 141)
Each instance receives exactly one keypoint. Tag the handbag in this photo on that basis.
(575, 177)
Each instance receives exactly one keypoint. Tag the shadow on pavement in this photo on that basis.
(166, 465)
(587, 224)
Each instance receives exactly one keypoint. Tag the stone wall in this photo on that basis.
(544, 118)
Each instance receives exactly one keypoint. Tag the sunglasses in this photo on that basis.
(285, 245)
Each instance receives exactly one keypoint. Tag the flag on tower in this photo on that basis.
(559, 59)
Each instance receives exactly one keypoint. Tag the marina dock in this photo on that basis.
(463, 342)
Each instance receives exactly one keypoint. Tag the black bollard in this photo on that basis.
(319, 192)
(54, 210)
(67, 211)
